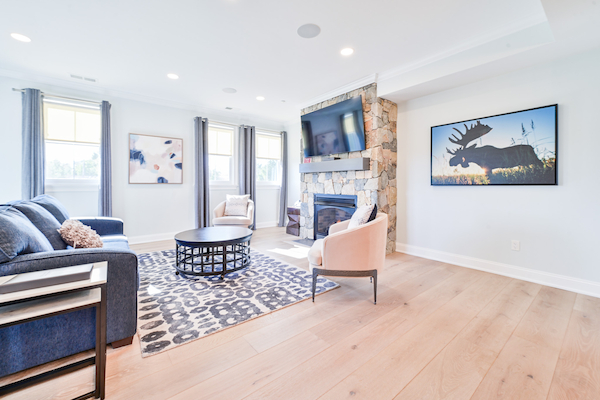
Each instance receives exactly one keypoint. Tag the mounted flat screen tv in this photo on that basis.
(335, 129)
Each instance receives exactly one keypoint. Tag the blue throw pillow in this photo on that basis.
(44, 221)
(18, 235)
(53, 206)
(373, 214)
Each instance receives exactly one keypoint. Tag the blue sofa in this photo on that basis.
(29, 241)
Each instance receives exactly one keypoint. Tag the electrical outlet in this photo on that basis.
(515, 245)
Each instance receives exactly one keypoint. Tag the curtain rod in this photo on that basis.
(63, 97)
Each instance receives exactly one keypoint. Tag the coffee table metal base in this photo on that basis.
(211, 259)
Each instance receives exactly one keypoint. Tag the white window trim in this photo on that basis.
(270, 184)
(233, 182)
(72, 185)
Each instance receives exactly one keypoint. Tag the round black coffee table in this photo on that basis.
(216, 250)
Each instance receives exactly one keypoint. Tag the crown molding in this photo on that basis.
(367, 80)
(516, 26)
(102, 93)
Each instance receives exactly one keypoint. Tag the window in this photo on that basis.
(72, 135)
(268, 158)
(220, 154)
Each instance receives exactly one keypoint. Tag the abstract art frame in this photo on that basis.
(155, 159)
(516, 148)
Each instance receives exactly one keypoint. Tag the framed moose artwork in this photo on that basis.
(517, 148)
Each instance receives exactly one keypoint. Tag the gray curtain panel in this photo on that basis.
(284, 185)
(33, 149)
(105, 200)
(247, 138)
(201, 173)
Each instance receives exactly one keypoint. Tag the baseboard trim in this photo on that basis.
(564, 282)
(151, 238)
(270, 224)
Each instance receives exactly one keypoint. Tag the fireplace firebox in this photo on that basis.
(330, 209)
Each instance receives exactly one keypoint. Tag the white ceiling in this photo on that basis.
(129, 46)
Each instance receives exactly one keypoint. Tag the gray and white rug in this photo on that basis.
(173, 310)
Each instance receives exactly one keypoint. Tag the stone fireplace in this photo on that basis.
(375, 185)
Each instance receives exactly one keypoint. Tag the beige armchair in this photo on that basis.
(354, 252)
(219, 219)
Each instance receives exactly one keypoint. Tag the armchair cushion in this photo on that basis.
(44, 221)
(236, 205)
(315, 254)
(362, 215)
(18, 235)
(232, 220)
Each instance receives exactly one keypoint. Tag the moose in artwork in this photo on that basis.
(489, 157)
(518, 150)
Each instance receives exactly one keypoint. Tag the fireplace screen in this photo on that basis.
(330, 209)
(328, 216)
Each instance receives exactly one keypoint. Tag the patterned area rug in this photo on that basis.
(173, 310)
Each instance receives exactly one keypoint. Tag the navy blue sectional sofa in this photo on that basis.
(29, 241)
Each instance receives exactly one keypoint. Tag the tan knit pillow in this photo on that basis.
(76, 234)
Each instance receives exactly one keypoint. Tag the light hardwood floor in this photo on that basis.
(438, 331)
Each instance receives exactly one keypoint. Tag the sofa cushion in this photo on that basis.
(115, 242)
(236, 205)
(53, 206)
(18, 235)
(315, 254)
(44, 221)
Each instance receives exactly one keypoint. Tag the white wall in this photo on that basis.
(558, 226)
(294, 134)
(150, 212)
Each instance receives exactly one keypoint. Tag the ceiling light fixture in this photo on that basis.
(260, 98)
(20, 38)
(172, 76)
(309, 31)
(347, 51)
(229, 90)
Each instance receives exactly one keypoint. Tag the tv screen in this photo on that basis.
(335, 129)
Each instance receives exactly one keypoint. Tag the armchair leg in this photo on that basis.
(370, 273)
(374, 279)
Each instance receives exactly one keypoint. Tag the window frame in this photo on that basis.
(233, 181)
(72, 184)
(271, 184)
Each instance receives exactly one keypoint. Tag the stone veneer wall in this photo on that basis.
(374, 186)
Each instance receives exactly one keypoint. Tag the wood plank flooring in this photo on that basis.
(438, 331)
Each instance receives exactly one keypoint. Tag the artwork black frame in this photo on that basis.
(474, 120)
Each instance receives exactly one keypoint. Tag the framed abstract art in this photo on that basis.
(155, 159)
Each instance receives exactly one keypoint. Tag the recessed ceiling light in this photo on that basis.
(20, 38)
(309, 31)
(260, 98)
(347, 51)
(229, 90)
(173, 76)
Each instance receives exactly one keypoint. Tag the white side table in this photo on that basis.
(30, 305)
